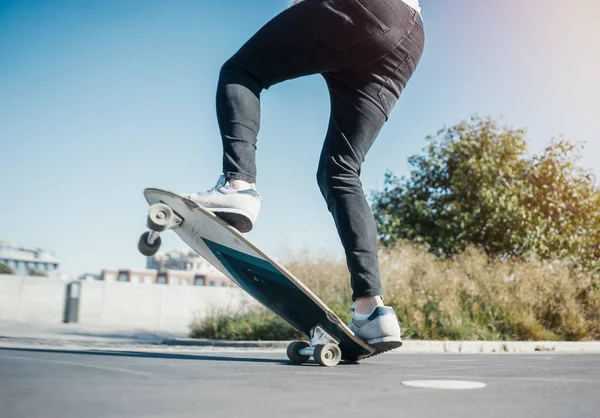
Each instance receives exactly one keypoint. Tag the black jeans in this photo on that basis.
(366, 50)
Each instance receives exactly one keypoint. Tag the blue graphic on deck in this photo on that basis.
(253, 274)
(268, 285)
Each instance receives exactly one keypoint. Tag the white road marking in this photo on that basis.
(444, 384)
(550, 379)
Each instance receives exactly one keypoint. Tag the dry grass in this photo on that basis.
(472, 298)
(466, 298)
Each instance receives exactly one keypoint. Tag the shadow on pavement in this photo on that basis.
(172, 356)
(140, 354)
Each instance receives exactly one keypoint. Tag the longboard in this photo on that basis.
(259, 275)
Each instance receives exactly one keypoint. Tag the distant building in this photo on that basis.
(166, 277)
(89, 277)
(22, 260)
(184, 260)
(176, 268)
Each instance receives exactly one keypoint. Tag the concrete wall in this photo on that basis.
(120, 305)
(32, 299)
(154, 307)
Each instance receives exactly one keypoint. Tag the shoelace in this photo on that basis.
(220, 183)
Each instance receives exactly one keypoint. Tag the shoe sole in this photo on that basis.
(384, 344)
(238, 220)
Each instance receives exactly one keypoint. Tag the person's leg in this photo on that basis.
(353, 126)
(361, 102)
(283, 49)
(367, 50)
(314, 36)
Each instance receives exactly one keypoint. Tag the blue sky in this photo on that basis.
(100, 99)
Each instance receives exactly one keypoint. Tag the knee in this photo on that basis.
(229, 68)
(235, 72)
(229, 72)
(334, 177)
(323, 180)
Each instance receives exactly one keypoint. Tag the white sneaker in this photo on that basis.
(380, 329)
(239, 208)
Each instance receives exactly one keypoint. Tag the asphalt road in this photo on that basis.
(51, 383)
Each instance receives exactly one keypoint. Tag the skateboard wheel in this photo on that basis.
(293, 351)
(328, 355)
(160, 217)
(148, 249)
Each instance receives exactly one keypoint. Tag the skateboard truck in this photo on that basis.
(318, 335)
(160, 218)
(323, 347)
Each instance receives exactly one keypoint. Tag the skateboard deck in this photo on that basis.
(260, 276)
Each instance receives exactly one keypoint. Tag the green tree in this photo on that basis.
(475, 185)
(4, 269)
(36, 272)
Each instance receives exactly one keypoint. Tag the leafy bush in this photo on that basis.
(475, 185)
(4, 269)
(36, 273)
